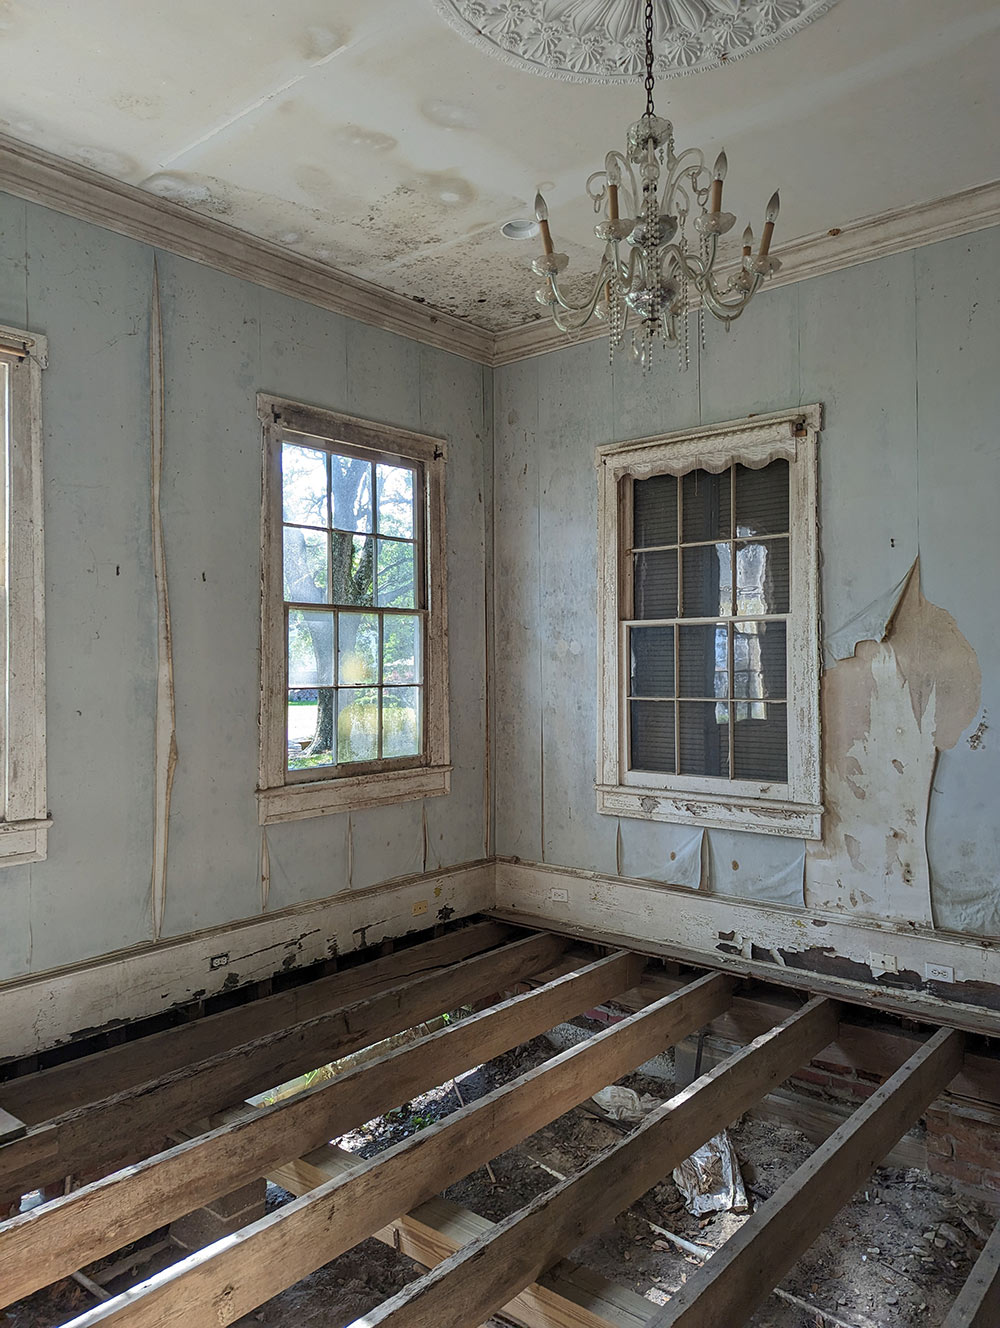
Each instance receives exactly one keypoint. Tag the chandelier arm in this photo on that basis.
(590, 304)
(676, 168)
(722, 309)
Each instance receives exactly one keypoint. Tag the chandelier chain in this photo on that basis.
(649, 57)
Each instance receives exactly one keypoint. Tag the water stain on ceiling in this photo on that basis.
(370, 135)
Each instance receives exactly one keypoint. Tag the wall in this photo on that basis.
(902, 354)
(90, 292)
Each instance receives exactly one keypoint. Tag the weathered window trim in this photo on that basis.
(284, 795)
(24, 818)
(794, 808)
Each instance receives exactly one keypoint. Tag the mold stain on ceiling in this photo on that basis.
(371, 136)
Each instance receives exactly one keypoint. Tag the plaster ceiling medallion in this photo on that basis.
(600, 41)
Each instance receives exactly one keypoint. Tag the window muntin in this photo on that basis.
(355, 603)
(706, 626)
(354, 667)
(709, 626)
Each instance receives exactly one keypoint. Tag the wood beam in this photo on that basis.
(470, 1286)
(242, 1271)
(122, 1127)
(47, 1093)
(737, 1279)
(978, 1303)
(57, 1238)
(571, 1296)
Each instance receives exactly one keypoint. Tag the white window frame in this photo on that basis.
(285, 795)
(793, 808)
(24, 818)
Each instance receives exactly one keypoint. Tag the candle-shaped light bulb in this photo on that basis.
(718, 175)
(748, 242)
(542, 217)
(770, 217)
(613, 175)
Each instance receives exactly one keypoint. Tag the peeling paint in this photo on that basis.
(888, 710)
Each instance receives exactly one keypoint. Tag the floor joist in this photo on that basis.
(978, 1303)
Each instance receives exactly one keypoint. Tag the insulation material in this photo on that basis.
(660, 852)
(624, 1104)
(710, 1179)
(887, 713)
(760, 867)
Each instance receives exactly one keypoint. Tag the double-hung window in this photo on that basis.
(709, 623)
(354, 707)
(23, 812)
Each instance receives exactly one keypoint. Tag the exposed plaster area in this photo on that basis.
(888, 711)
(372, 137)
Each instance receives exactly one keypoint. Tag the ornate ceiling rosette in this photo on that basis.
(600, 41)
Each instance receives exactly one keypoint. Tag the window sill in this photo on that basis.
(798, 820)
(295, 802)
(23, 841)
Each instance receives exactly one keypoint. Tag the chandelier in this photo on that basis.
(652, 271)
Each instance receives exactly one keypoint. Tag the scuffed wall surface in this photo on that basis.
(90, 291)
(902, 353)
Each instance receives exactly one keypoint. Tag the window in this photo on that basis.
(24, 816)
(709, 626)
(354, 704)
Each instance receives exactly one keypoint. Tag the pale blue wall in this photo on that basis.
(89, 291)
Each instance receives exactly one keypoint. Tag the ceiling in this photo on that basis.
(370, 135)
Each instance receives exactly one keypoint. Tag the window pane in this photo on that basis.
(759, 662)
(708, 579)
(357, 724)
(353, 569)
(310, 648)
(651, 736)
(303, 485)
(401, 721)
(703, 660)
(400, 648)
(654, 508)
(307, 565)
(656, 584)
(704, 738)
(396, 578)
(357, 649)
(351, 484)
(705, 500)
(762, 577)
(762, 500)
(652, 651)
(395, 501)
(310, 727)
(761, 745)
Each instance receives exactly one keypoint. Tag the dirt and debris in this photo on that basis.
(896, 1256)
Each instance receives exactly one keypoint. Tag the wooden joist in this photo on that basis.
(570, 1296)
(738, 1278)
(58, 1238)
(241, 1272)
(47, 1093)
(978, 1303)
(129, 1125)
(467, 1288)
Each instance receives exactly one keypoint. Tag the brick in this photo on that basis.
(940, 1145)
(831, 1067)
(813, 1077)
(956, 1169)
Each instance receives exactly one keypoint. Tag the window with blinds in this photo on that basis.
(708, 583)
(709, 626)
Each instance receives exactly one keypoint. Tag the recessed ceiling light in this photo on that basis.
(521, 228)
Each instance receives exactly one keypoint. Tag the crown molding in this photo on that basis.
(41, 177)
(812, 256)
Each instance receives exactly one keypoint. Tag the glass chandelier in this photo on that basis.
(651, 271)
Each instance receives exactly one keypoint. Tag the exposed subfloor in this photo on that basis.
(896, 1255)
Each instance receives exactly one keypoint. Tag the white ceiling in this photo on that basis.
(370, 135)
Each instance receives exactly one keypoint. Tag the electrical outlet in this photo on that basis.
(938, 973)
(558, 895)
(419, 907)
(883, 963)
(219, 961)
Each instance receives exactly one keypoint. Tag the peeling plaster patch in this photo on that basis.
(977, 739)
(116, 164)
(887, 712)
(141, 107)
(196, 191)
